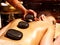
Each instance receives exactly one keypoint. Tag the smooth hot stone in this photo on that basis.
(29, 18)
(14, 34)
(23, 25)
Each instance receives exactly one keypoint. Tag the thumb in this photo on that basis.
(34, 13)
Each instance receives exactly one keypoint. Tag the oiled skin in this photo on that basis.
(49, 35)
(52, 32)
(31, 36)
(41, 33)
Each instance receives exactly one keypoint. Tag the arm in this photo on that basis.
(49, 35)
(17, 4)
(48, 38)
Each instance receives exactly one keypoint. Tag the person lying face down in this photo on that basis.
(50, 37)
(19, 32)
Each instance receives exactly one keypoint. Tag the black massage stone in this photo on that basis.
(53, 39)
(29, 18)
(14, 34)
(23, 25)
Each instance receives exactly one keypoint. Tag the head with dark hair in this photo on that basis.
(48, 14)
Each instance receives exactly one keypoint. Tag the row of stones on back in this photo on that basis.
(17, 35)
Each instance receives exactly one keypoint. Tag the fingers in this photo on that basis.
(32, 12)
(25, 13)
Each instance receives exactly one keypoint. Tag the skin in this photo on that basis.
(44, 36)
(31, 36)
(57, 41)
(50, 34)
(17, 4)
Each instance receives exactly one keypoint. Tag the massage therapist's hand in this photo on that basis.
(17, 4)
(32, 12)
